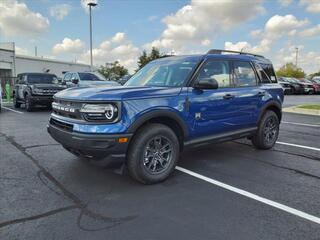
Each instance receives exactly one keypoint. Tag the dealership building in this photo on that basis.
(11, 64)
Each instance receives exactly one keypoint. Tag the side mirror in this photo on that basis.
(75, 81)
(206, 83)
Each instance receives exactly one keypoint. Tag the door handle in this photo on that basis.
(228, 96)
(261, 93)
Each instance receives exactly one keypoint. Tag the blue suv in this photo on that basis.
(171, 104)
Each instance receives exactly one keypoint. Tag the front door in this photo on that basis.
(212, 111)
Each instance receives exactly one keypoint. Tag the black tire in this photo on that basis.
(16, 104)
(268, 131)
(28, 103)
(162, 144)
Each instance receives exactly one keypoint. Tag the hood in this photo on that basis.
(95, 83)
(48, 86)
(116, 93)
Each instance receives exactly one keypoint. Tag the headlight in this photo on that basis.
(100, 112)
(37, 91)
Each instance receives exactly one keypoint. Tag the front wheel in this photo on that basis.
(153, 154)
(268, 131)
(16, 104)
(29, 105)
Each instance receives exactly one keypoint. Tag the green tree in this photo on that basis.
(146, 58)
(290, 70)
(316, 74)
(143, 59)
(113, 71)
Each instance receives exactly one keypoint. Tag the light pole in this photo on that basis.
(297, 49)
(91, 4)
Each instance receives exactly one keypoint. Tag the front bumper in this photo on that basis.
(104, 147)
(42, 99)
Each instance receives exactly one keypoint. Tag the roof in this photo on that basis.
(38, 73)
(241, 57)
(49, 60)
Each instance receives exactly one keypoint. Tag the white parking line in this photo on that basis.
(299, 146)
(12, 110)
(252, 196)
(302, 124)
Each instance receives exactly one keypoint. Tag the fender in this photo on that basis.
(28, 91)
(159, 113)
(271, 103)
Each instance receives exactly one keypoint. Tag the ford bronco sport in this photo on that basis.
(170, 104)
(34, 89)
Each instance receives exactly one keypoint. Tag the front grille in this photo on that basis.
(65, 107)
(62, 125)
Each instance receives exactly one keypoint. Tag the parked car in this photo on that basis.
(286, 86)
(0, 98)
(34, 89)
(307, 87)
(124, 79)
(86, 79)
(315, 85)
(295, 86)
(169, 105)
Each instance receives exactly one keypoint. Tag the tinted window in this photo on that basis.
(41, 78)
(90, 77)
(217, 70)
(166, 72)
(74, 76)
(266, 73)
(67, 77)
(244, 74)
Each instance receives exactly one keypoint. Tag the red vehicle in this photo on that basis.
(315, 85)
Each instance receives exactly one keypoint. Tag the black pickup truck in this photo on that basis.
(34, 89)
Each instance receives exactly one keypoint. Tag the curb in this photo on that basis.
(298, 110)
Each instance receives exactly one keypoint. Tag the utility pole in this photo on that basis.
(297, 49)
(91, 4)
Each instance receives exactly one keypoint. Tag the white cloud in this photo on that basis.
(239, 46)
(118, 37)
(282, 24)
(312, 6)
(152, 18)
(21, 51)
(109, 51)
(69, 46)
(16, 19)
(275, 28)
(285, 3)
(84, 4)
(199, 21)
(308, 61)
(256, 33)
(60, 11)
(310, 32)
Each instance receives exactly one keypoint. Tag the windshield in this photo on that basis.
(89, 76)
(42, 78)
(166, 72)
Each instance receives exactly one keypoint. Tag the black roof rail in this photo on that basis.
(220, 51)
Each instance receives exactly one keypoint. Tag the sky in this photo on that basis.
(122, 29)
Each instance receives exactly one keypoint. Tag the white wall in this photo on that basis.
(37, 64)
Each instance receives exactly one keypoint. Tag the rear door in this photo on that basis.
(248, 94)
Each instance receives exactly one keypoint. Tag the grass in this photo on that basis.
(310, 106)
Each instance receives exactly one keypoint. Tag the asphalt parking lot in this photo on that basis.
(222, 191)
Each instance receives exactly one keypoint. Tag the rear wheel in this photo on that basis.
(153, 154)
(268, 131)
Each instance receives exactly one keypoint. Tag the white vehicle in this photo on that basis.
(86, 79)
